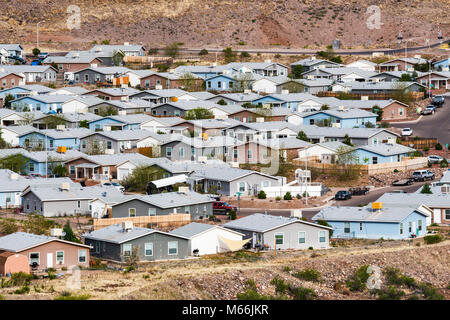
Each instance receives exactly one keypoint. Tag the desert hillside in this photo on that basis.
(199, 23)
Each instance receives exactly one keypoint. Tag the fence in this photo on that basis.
(419, 143)
(406, 164)
(372, 96)
(146, 59)
(176, 219)
(313, 189)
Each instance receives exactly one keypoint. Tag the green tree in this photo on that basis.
(203, 52)
(37, 224)
(117, 58)
(325, 107)
(69, 234)
(59, 170)
(3, 143)
(190, 82)
(405, 77)
(336, 59)
(245, 54)
(84, 124)
(222, 102)
(153, 51)
(14, 162)
(106, 42)
(107, 111)
(199, 113)
(172, 50)
(36, 52)
(326, 224)
(347, 141)
(376, 109)
(302, 136)
(262, 195)
(52, 121)
(141, 176)
(7, 101)
(426, 189)
(229, 55)
(287, 196)
(297, 71)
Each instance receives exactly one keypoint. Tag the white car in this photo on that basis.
(407, 131)
(435, 158)
(115, 185)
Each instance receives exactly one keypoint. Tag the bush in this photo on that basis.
(280, 286)
(245, 54)
(203, 52)
(9, 226)
(298, 196)
(426, 189)
(65, 295)
(250, 293)
(391, 293)
(426, 149)
(262, 195)
(212, 217)
(357, 282)
(277, 198)
(308, 275)
(444, 163)
(429, 292)
(301, 293)
(395, 277)
(23, 290)
(438, 146)
(287, 196)
(232, 214)
(431, 239)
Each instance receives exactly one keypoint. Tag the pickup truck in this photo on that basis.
(358, 191)
(222, 207)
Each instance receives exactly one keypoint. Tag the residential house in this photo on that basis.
(203, 72)
(268, 84)
(179, 108)
(164, 95)
(69, 65)
(442, 65)
(265, 69)
(363, 65)
(10, 134)
(117, 242)
(392, 109)
(119, 122)
(11, 50)
(304, 86)
(44, 252)
(9, 117)
(281, 233)
(209, 239)
(435, 80)
(11, 79)
(120, 94)
(170, 80)
(339, 74)
(223, 82)
(98, 75)
(31, 73)
(68, 120)
(377, 87)
(341, 118)
(25, 90)
(235, 98)
(314, 63)
(323, 150)
(129, 50)
(381, 153)
(46, 103)
(111, 142)
(401, 64)
(52, 139)
(367, 223)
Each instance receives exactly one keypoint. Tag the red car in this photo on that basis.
(221, 206)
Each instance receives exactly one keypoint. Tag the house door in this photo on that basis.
(254, 239)
(50, 260)
(414, 230)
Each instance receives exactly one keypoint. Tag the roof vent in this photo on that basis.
(127, 226)
(65, 186)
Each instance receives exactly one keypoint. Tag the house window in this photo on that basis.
(219, 84)
(97, 247)
(249, 154)
(311, 121)
(193, 151)
(346, 227)
(375, 140)
(230, 84)
(126, 250)
(34, 258)
(59, 257)
(419, 225)
(147, 83)
(83, 144)
(241, 186)
(400, 111)
(173, 247)
(302, 237)
(108, 145)
(31, 167)
(447, 214)
(374, 160)
(72, 169)
(322, 236)
(181, 152)
(86, 78)
(168, 152)
(77, 77)
(132, 212)
(235, 153)
(265, 184)
(152, 211)
(279, 238)
(410, 226)
(187, 209)
(149, 249)
(209, 84)
(38, 106)
(401, 228)
(79, 204)
(35, 205)
(28, 204)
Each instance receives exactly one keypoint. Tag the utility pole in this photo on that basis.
(306, 168)
(37, 33)
(429, 79)
(46, 155)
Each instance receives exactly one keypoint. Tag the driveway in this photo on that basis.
(432, 126)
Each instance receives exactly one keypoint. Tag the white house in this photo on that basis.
(10, 134)
(363, 65)
(321, 150)
(210, 239)
(268, 84)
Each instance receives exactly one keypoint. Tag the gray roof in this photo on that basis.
(349, 113)
(116, 234)
(122, 135)
(381, 85)
(116, 47)
(367, 104)
(414, 200)
(191, 104)
(311, 62)
(20, 130)
(7, 112)
(76, 192)
(66, 133)
(172, 199)
(72, 90)
(24, 68)
(166, 93)
(259, 222)
(11, 46)
(131, 118)
(115, 159)
(81, 58)
(240, 97)
(385, 149)
(117, 91)
(89, 100)
(74, 117)
(20, 241)
(19, 185)
(202, 95)
(446, 177)
(365, 214)
(107, 70)
(49, 98)
(332, 145)
(313, 131)
(192, 229)
(224, 173)
(41, 156)
(32, 87)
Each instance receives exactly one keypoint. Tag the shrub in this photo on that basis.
(438, 146)
(287, 196)
(308, 275)
(298, 196)
(9, 226)
(250, 293)
(2, 297)
(357, 282)
(203, 52)
(429, 292)
(426, 189)
(262, 195)
(277, 198)
(69, 296)
(395, 277)
(280, 285)
(302, 293)
(426, 149)
(435, 238)
(245, 54)
(212, 217)
(429, 164)
(23, 290)
(391, 293)
(287, 269)
(444, 163)
(232, 214)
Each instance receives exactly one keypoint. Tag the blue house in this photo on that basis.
(368, 223)
(120, 122)
(441, 64)
(221, 83)
(289, 100)
(381, 153)
(21, 91)
(53, 138)
(341, 118)
(46, 103)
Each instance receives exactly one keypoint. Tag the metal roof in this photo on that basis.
(192, 229)
(385, 149)
(20, 241)
(172, 199)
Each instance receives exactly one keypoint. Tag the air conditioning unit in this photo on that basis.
(234, 164)
(126, 43)
(122, 113)
(124, 98)
(259, 119)
(285, 91)
(106, 128)
(364, 98)
(56, 232)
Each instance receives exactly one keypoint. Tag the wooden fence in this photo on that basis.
(176, 220)
(372, 96)
(370, 169)
(419, 143)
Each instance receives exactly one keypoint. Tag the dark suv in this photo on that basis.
(221, 206)
(438, 101)
(343, 195)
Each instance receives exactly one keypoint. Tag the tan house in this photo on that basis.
(10, 79)
(168, 80)
(45, 252)
(12, 263)
(72, 64)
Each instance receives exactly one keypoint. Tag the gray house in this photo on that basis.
(100, 74)
(276, 232)
(198, 205)
(228, 181)
(116, 243)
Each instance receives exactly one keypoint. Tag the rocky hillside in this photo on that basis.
(251, 23)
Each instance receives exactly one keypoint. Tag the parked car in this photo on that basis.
(358, 191)
(438, 101)
(407, 132)
(435, 158)
(343, 195)
(398, 191)
(116, 185)
(21, 60)
(221, 206)
(428, 110)
(422, 175)
(43, 55)
(403, 182)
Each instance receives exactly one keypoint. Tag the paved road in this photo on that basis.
(432, 126)
(355, 201)
(310, 51)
